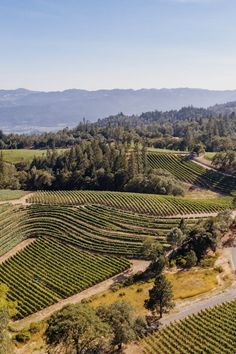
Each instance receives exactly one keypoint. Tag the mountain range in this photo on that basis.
(27, 111)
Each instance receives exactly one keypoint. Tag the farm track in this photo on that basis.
(201, 162)
(137, 266)
(198, 305)
(20, 201)
(228, 260)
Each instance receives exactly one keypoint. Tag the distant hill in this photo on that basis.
(226, 108)
(27, 111)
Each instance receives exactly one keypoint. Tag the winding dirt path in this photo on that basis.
(16, 249)
(137, 266)
(203, 162)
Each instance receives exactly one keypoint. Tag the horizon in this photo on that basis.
(121, 89)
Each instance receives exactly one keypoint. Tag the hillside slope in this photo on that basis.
(24, 111)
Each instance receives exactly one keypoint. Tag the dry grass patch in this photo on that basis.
(186, 284)
(7, 194)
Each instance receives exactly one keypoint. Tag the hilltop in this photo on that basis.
(27, 111)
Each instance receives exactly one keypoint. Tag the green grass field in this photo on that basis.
(23, 155)
(209, 155)
(167, 151)
(8, 194)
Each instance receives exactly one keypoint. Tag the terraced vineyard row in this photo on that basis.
(98, 229)
(12, 227)
(47, 271)
(95, 228)
(210, 331)
(190, 172)
(139, 203)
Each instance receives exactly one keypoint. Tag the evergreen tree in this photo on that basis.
(160, 296)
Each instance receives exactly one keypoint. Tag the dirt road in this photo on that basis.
(20, 201)
(202, 161)
(199, 305)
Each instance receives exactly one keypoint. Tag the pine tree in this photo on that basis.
(160, 296)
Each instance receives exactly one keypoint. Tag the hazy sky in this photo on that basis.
(91, 44)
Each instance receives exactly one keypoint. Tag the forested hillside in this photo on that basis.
(27, 111)
(112, 154)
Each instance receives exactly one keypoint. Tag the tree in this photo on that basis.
(190, 259)
(76, 329)
(159, 266)
(120, 317)
(200, 240)
(183, 226)
(199, 149)
(151, 249)
(160, 296)
(175, 237)
(7, 310)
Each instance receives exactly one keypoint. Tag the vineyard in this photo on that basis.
(138, 203)
(81, 237)
(92, 228)
(12, 227)
(188, 171)
(210, 331)
(47, 271)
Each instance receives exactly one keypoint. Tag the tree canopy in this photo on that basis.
(7, 310)
(76, 329)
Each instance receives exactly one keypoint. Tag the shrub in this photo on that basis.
(139, 290)
(208, 262)
(191, 259)
(219, 269)
(34, 327)
(121, 294)
(115, 287)
(22, 336)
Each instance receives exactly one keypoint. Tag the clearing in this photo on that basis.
(24, 155)
(9, 194)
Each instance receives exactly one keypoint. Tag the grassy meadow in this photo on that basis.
(23, 155)
(185, 285)
(8, 194)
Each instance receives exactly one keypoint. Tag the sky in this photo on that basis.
(93, 44)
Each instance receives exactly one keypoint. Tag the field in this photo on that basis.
(23, 155)
(12, 227)
(93, 228)
(167, 151)
(47, 271)
(8, 194)
(185, 285)
(187, 171)
(156, 205)
(210, 331)
(209, 155)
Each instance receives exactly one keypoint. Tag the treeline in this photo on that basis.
(225, 161)
(179, 130)
(91, 165)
